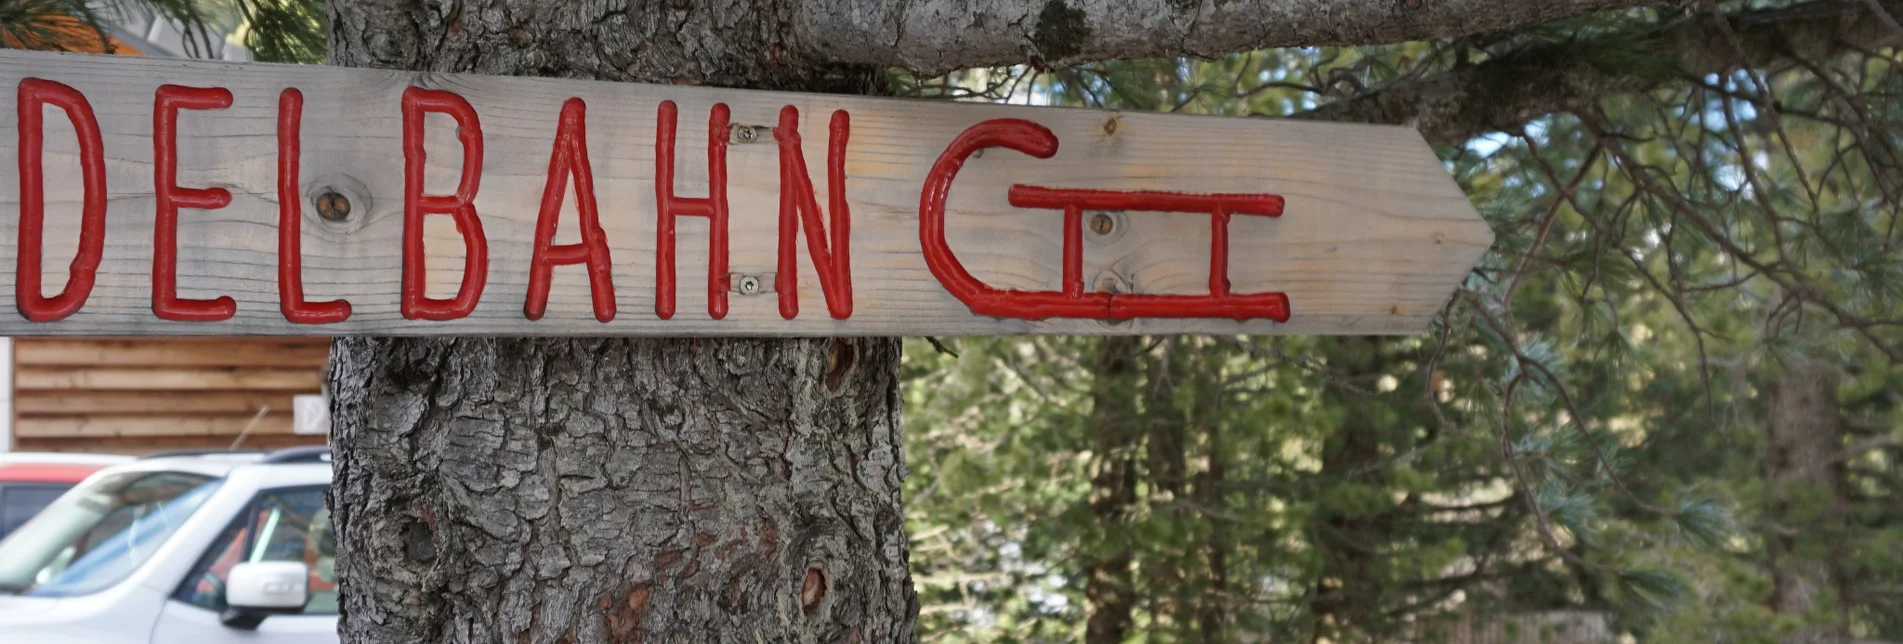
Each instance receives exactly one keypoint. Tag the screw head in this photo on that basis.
(332, 206)
(745, 134)
(749, 285)
(1102, 224)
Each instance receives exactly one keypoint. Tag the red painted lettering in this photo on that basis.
(832, 261)
(570, 155)
(713, 207)
(1016, 134)
(290, 223)
(1072, 302)
(171, 197)
(1220, 303)
(461, 207)
(33, 95)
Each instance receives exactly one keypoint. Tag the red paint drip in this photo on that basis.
(571, 156)
(33, 95)
(461, 206)
(832, 261)
(290, 222)
(1072, 302)
(713, 207)
(171, 197)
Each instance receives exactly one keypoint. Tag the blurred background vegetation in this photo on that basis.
(1664, 408)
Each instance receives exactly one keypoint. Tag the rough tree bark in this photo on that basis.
(595, 490)
(935, 36)
(1805, 504)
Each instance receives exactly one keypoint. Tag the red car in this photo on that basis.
(29, 481)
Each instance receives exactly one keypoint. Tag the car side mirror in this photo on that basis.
(256, 590)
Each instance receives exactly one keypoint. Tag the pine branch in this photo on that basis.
(937, 36)
(1502, 94)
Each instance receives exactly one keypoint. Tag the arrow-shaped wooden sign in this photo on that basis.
(165, 197)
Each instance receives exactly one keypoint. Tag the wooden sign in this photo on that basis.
(168, 197)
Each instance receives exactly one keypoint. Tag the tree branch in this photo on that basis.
(937, 36)
(1504, 93)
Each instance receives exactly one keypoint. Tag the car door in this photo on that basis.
(284, 524)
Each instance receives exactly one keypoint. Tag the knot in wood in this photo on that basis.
(333, 206)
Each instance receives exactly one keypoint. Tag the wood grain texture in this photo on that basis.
(297, 380)
(1374, 238)
(141, 445)
(62, 427)
(156, 403)
(137, 395)
(173, 352)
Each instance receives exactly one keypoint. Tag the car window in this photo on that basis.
(279, 525)
(20, 501)
(92, 538)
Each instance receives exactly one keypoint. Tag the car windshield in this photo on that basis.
(99, 532)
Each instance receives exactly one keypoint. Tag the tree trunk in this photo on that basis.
(1806, 501)
(1167, 585)
(1347, 541)
(1108, 593)
(1213, 611)
(593, 490)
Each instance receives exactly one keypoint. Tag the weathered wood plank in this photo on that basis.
(65, 402)
(226, 352)
(291, 380)
(81, 426)
(1373, 237)
(140, 445)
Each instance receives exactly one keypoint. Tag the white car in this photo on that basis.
(200, 548)
(29, 481)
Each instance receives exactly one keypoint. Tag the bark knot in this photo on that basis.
(624, 622)
(840, 357)
(1060, 31)
(813, 590)
(419, 542)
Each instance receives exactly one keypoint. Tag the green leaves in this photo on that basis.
(1650, 589)
(1703, 523)
(284, 31)
(1574, 509)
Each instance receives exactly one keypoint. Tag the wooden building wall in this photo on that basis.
(137, 396)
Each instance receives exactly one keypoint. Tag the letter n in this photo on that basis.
(833, 262)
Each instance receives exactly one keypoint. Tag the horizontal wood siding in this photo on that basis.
(136, 396)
